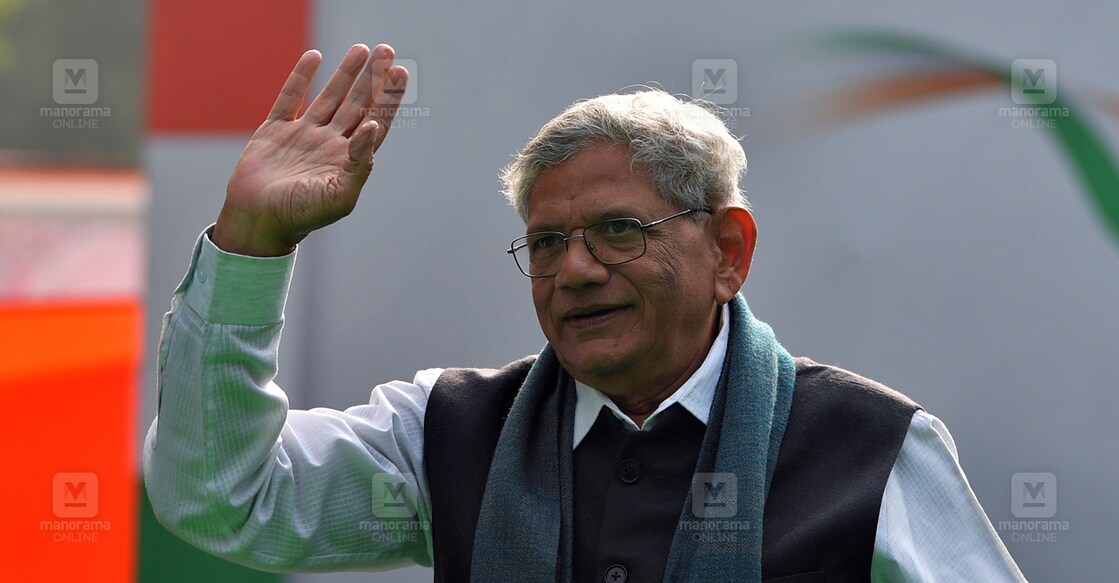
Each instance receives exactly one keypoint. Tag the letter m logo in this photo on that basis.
(394, 495)
(715, 495)
(75, 495)
(1033, 81)
(1033, 495)
(75, 81)
(715, 80)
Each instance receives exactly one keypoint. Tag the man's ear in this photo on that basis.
(735, 236)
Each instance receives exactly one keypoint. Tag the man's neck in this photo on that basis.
(639, 404)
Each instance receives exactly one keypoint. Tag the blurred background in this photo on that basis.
(935, 188)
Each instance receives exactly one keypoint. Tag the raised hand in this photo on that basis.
(298, 174)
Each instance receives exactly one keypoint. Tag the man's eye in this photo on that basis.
(544, 242)
(617, 228)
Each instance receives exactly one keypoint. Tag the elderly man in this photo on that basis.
(662, 435)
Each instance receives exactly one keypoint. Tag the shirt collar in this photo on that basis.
(695, 395)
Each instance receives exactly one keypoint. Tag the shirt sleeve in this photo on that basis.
(931, 527)
(231, 470)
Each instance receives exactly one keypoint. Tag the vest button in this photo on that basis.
(615, 574)
(629, 471)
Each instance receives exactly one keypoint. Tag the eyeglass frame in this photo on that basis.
(512, 250)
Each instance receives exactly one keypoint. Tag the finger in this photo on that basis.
(357, 105)
(324, 106)
(360, 162)
(387, 93)
(291, 96)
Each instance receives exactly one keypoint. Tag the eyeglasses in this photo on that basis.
(611, 242)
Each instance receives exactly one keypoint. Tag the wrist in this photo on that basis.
(245, 238)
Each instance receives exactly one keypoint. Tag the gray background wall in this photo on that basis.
(936, 248)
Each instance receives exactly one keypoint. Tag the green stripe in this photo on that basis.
(1081, 144)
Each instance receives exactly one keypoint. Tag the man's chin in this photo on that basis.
(594, 368)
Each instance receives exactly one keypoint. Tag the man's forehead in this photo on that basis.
(598, 163)
(596, 184)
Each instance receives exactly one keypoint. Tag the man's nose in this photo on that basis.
(579, 267)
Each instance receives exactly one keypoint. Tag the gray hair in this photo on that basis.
(691, 158)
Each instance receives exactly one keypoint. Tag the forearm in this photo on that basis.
(213, 450)
(230, 469)
(215, 443)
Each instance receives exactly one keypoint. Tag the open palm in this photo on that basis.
(301, 173)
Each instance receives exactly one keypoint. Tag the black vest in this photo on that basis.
(644, 474)
(820, 519)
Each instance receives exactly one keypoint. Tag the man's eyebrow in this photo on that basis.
(607, 214)
(542, 227)
(596, 216)
(612, 213)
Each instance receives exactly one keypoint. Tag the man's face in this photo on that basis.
(640, 326)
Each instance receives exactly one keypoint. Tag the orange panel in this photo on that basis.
(217, 66)
(57, 337)
(68, 379)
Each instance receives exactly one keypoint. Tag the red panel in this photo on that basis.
(217, 66)
(68, 380)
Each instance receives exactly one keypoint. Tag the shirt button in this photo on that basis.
(615, 574)
(202, 276)
(629, 471)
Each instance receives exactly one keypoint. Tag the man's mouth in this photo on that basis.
(592, 316)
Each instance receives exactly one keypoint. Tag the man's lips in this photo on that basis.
(590, 316)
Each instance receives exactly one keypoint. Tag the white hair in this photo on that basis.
(688, 153)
